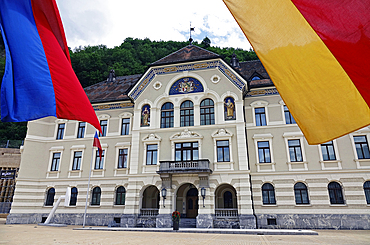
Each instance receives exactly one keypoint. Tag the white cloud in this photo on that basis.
(109, 22)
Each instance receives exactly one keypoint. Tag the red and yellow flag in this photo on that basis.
(317, 53)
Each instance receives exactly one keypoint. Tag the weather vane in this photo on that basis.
(191, 29)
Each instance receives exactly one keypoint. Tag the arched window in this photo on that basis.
(335, 193)
(207, 112)
(50, 197)
(167, 115)
(120, 195)
(367, 191)
(186, 114)
(150, 198)
(301, 194)
(268, 194)
(95, 198)
(73, 200)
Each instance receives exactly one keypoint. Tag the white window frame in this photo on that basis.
(76, 130)
(283, 113)
(294, 136)
(259, 138)
(360, 163)
(259, 104)
(183, 137)
(223, 134)
(100, 172)
(57, 122)
(119, 146)
(105, 117)
(76, 173)
(337, 161)
(52, 150)
(151, 139)
(122, 116)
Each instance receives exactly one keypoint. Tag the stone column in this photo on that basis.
(246, 218)
(164, 219)
(129, 219)
(205, 214)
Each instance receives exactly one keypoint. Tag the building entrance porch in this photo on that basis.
(187, 201)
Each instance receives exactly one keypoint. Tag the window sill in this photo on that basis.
(338, 205)
(94, 206)
(269, 205)
(297, 162)
(303, 205)
(119, 206)
(74, 206)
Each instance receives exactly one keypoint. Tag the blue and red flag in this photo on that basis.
(39, 80)
(97, 144)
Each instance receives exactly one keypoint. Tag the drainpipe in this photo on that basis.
(250, 176)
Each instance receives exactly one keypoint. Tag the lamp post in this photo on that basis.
(203, 193)
(164, 194)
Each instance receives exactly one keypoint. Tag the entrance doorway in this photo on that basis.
(192, 203)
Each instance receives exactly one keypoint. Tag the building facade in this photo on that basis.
(212, 140)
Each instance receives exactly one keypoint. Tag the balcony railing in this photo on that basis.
(195, 166)
(226, 213)
(149, 212)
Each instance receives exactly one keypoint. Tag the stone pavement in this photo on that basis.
(34, 234)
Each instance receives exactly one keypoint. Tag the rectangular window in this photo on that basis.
(288, 116)
(260, 116)
(60, 132)
(103, 125)
(186, 151)
(295, 151)
(151, 154)
(122, 158)
(362, 147)
(77, 157)
(328, 153)
(125, 126)
(223, 151)
(99, 162)
(55, 162)
(81, 130)
(264, 155)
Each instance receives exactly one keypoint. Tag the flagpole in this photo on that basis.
(88, 187)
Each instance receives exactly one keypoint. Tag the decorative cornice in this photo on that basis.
(229, 73)
(186, 134)
(152, 137)
(222, 133)
(262, 92)
(113, 106)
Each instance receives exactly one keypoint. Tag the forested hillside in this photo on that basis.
(93, 63)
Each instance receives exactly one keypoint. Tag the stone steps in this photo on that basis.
(188, 223)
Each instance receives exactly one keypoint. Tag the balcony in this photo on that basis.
(185, 167)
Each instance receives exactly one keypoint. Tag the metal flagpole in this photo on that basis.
(88, 187)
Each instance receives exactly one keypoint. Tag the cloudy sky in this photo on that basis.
(109, 22)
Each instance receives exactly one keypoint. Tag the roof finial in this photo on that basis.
(112, 76)
(191, 29)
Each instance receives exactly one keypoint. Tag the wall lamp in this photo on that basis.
(164, 194)
(203, 193)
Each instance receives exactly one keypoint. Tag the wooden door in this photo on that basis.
(192, 203)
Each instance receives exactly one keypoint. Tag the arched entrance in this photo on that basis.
(187, 201)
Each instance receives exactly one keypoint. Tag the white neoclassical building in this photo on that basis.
(212, 140)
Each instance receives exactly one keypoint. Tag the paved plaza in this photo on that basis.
(34, 234)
